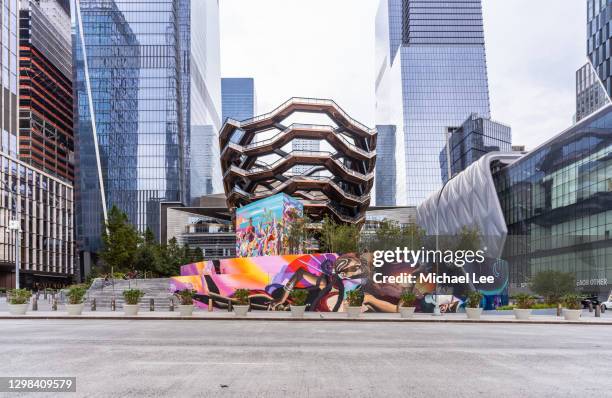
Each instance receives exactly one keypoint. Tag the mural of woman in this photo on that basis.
(327, 288)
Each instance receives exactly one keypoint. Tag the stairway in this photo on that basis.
(155, 288)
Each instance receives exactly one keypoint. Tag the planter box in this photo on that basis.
(241, 310)
(522, 314)
(186, 310)
(406, 312)
(18, 309)
(473, 313)
(571, 315)
(353, 312)
(75, 309)
(297, 311)
(130, 309)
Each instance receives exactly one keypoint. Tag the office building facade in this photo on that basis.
(132, 127)
(238, 98)
(205, 99)
(550, 209)
(40, 238)
(46, 138)
(431, 73)
(470, 142)
(44, 205)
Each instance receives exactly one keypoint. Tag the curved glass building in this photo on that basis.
(551, 209)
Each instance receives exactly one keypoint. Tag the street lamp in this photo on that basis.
(14, 225)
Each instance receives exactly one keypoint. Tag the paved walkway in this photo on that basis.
(117, 358)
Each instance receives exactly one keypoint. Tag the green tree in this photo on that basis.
(553, 285)
(146, 257)
(119, 241)
(298, 236)
(170, 258)
(339, 238)
(468, 238)
(412, 237)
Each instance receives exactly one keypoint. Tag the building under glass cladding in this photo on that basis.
(132, 128)
(205, 99)
(468, 143)
(554, 203)
(238, 98)
(431, 73)
(599, 39)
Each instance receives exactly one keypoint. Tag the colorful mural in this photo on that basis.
(262, 227)
(327, 278)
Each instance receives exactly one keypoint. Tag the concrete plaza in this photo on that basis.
(310, 359)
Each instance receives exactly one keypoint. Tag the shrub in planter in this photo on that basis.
(18, 301)
(406, 304)
(524, 304)
(132, 298)
(242, 298)
(355, 301)
(572, 307)
(298, 302)
(472, 308)
(76, 299)
(185, 298)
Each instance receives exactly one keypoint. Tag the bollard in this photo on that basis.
(112, 304)
(597, 311)
(229, 306)
(54, 305)
(151, 305)
(210, 304)
(590, 306)
(93, 304)
(171, 307)
(34, 303)
(45, 295)
(603, 308)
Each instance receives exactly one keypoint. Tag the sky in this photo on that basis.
(325, 49)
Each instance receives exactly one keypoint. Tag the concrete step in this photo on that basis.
(156, 289)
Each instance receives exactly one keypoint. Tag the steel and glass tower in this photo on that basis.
(431, 74)
(205, 99)
(238, 96)
(599, 33)
(132, 127)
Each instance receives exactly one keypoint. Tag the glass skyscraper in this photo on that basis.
(599, 39)
(431, 75)
(132, 127)
(238, 98)
(468, 143)
(205, 99)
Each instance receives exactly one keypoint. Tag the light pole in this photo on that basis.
(14, 226)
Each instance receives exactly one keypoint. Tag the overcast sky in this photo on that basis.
(325, 48)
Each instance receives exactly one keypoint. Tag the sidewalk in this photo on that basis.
(198, 315)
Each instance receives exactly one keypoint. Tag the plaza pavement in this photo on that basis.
(154, 358)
